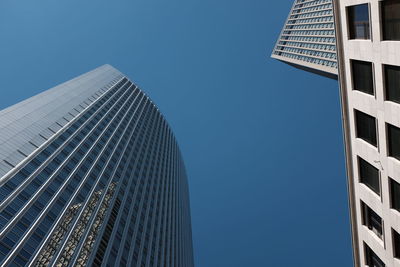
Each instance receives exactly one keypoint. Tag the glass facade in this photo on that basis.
(108, 187)
(308, 37)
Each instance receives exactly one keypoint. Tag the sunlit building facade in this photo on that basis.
(90, 175)
(367, 34)
(307, 40)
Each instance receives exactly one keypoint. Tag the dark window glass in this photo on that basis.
(372, 220)
(366, 127)
(371, 259)
(396, 244)
(369, 175)
(395, 194)
(362, 76)
(358, 21)
(393, 133)
(392, 83)
(390, 19)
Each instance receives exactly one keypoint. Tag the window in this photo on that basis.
(390, 13)
(372, 220)
(369, 175)
(394, 194)
(371, 259)
(366, 127)
(362, 76)
(392, 83)
(393, 136)
(358, 21)
(396, 244)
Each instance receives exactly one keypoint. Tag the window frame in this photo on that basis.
(348, 22)
(356, 120)
(382, 24)
(385, 82)
(353, 87)
(360, 179)
(388, 150)
(391, 194)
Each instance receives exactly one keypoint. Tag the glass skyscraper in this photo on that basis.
(307, 40)
(91, 174)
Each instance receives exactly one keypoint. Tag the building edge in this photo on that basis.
(346, 135)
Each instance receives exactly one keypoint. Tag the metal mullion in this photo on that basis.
(43, 212)
(309, 35)
(81, 243)
(305, 2)
(20, 165)
(44, 186)
(149, 152)
(125, 232)
(147, 128)
(172, 237)
(320, 4)
(82, 209)
(159, 192)
(169, 213)
(174, 208)
(309, 23)
(304, 42)
(309, 49)
(105, 191)
(287, 20)
(136, 226)
(161, 219)
(314, 29)
(157, 218)
(147, 208)
(167, 196)
(311, 17)
(311, 56)
(54, 154)
(313, 11)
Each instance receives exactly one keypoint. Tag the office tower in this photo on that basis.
(368, 34)
(368, 41)
(307, 40)
(91, 174)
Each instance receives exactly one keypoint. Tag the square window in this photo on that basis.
(371, 259)
(369, 175)
(396, 244)
(390, 14)
(392, 83)
(393, 137)
(366, 127)
(362, 76)
(372, 220)
(394, 194)
(358, 21)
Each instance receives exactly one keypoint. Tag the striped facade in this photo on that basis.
(307, 40)
(91, 174)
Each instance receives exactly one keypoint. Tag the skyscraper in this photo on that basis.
(307, 40)
(368, 45)
(91, 174)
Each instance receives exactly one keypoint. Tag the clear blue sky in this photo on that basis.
(262, 141)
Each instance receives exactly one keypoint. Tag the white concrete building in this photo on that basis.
(368, 50)
(368, 39)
